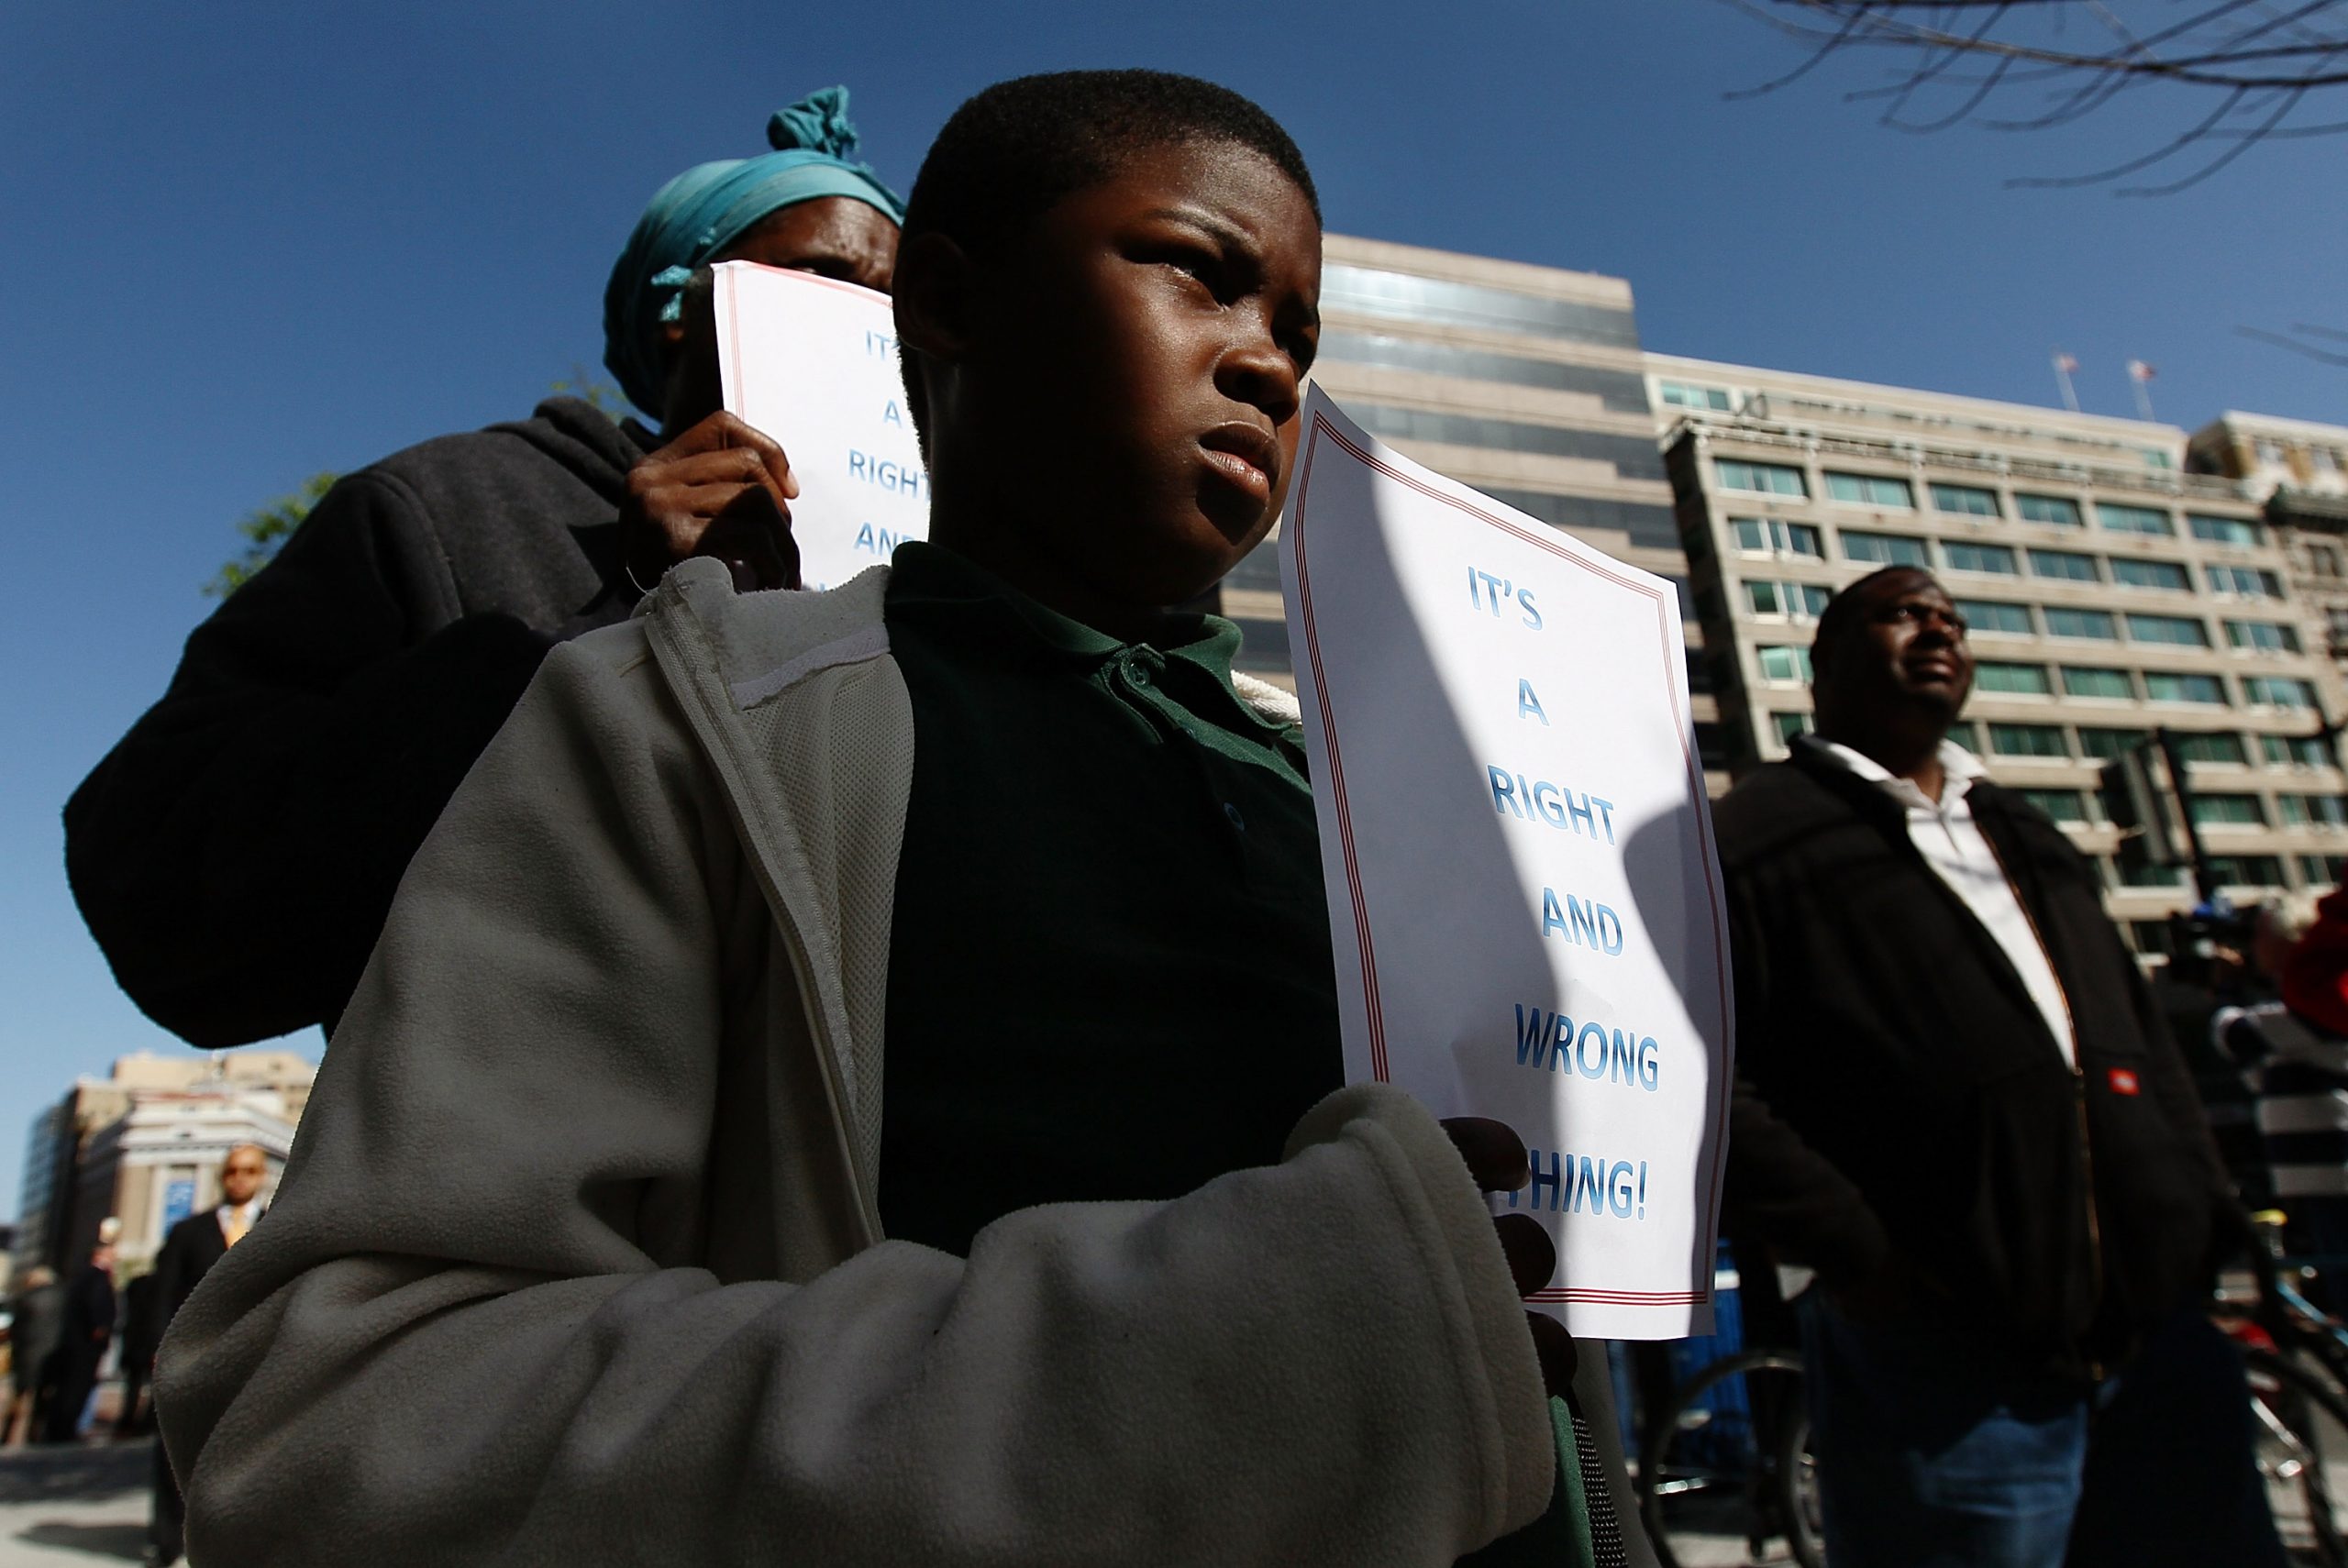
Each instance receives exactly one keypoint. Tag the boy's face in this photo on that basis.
(1139, 364)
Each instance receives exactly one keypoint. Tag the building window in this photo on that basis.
(2264, 636)
(1993, 558)
(1785, 665)
(2101, 744)
(2182, 631)
(2295, 751)
(1886, 549)
(2153, 937)
(2335, 626)
(2052, 509)
(2058, 805)
(2321, 870)
(2247, 870)
(2323, 560)
(1789, 726)
(2164, 575)
(2022, 679)
(2211, 810)
(2063, 565)
(2312, 811)
(2083, 681)
(1769, 479)
(2118, 519)
(1967, 499)
(1965, 734)
(2211, 746)
(1995, 616)
(1775, 536)
(2167, 686)
(1796, 601)
(1681, 396)
(2245, 582)
(2277, 691)
(2223, 530)
(1868, 490)
(2028, 740)
(2092, 625)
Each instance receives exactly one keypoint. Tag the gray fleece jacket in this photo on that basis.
(577, 1258)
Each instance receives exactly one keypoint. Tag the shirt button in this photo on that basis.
(1231, 813)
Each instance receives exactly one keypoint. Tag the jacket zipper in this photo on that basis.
(2078, 1093)
(717, 744)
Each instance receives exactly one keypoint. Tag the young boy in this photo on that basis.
(580, 1256)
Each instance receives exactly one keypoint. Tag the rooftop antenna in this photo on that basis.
(2064, 365)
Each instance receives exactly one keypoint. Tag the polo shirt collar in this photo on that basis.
(955, 591)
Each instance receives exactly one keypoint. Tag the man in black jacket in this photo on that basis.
(1955, 1101)
(82, 1344)
(236, 852)
(193, 1245)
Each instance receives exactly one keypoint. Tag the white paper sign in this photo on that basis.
(812, 362)
(1522, 880)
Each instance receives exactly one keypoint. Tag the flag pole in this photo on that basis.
(2064, 366)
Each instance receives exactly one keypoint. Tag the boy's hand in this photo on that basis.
(722, 490)
(1495, 1157)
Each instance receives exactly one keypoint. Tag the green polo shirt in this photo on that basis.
(1109, 970)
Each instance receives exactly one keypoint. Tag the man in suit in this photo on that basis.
(80, 1346)
(194, 1244)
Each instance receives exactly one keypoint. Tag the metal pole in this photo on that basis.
(2205, 884)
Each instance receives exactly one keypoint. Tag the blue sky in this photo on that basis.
(246, 244)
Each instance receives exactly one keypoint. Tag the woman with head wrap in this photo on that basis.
(236, 852)
(717, 487)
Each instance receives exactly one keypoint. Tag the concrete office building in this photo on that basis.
(143, 1145)
(1524, 381)
(2109, 591)
(2300, 469)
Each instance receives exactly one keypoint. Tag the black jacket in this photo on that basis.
(1898, 1093)
(189, 1251)
(235, 853)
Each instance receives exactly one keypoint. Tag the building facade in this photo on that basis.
(2300, 469)
(2109, 592)
(1524, 381)
(143, 1145)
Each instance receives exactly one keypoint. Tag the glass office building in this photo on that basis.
(1524, 381)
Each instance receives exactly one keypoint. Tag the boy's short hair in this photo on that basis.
(1012, 152)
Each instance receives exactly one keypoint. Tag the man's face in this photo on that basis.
(241, 1176)
(1139, 358)
(1907, 649)
(832, 237)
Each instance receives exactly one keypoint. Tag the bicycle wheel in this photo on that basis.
(2301, 1421)
(1798, 1500)
(1708, 1468)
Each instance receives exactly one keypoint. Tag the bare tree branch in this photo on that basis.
(2296, 347)
(2262, 60)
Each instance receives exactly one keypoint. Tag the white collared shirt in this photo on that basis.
(1951, 842)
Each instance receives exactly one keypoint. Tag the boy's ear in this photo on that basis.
(935, 296)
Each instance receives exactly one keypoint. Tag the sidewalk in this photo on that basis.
(74, 1505)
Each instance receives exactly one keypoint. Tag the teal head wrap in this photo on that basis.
(706, 209)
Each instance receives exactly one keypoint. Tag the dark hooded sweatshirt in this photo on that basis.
(236, 852)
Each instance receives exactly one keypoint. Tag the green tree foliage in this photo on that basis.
(264, 531)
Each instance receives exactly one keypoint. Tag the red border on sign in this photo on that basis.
(1541, 539)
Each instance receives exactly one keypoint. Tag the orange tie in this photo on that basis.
(235, 1229)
